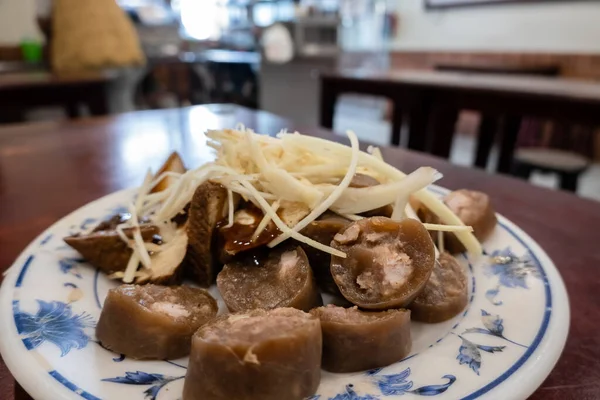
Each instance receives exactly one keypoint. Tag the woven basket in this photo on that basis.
(93, 34)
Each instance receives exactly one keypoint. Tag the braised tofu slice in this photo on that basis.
(207, 208)
(173, 164)
(105, 249)
(323, 230)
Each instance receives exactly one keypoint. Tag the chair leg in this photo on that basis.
(417, 126)
(512, 125)
(97, 101)
(396, 124)
(568, 181)
(12, 115)
(522, 171)
(328, 99)
(442, 128)
(487, 134)
(72, 110)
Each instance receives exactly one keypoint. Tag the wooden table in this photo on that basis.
(22, 66)
(72, 163)
(407, 100)
(20, 91)
(432, 101)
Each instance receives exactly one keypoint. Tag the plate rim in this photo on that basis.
(526, 374)
(551, 344)
(34, 380)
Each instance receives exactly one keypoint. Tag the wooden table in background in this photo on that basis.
(432, 101)
(72, 163)
(20, 91)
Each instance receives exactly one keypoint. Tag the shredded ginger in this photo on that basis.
(271, 171)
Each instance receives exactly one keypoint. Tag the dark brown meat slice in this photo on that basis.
(283, 278)
(153, 322)
(111, 223)
(266, 355)
(474, 209)
(355, 340)
(363, 181)
(206, 210)
(445, 294)
(106, 250)
(323, 230)
(387, 263)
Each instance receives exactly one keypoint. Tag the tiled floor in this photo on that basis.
(365, 118)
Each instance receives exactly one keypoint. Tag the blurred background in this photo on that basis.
(67, 59)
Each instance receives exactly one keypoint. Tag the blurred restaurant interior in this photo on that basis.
(276, 55)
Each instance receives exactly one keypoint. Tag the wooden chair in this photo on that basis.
(567, 165)
(489, 125)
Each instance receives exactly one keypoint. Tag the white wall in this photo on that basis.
(18, 21)
(569, 27)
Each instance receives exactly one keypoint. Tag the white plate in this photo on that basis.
(502, 346)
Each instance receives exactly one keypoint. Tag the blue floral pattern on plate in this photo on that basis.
(469, 352)
(494, 327)
(491, 294)
(512, 271)
(54, 322)
(350, 394)
(87, 223)
(155, 381)
(399, 384)
(391, 385)
(70, 265)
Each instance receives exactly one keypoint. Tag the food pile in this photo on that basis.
(275, 222)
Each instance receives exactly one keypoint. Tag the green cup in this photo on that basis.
(31, 50)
